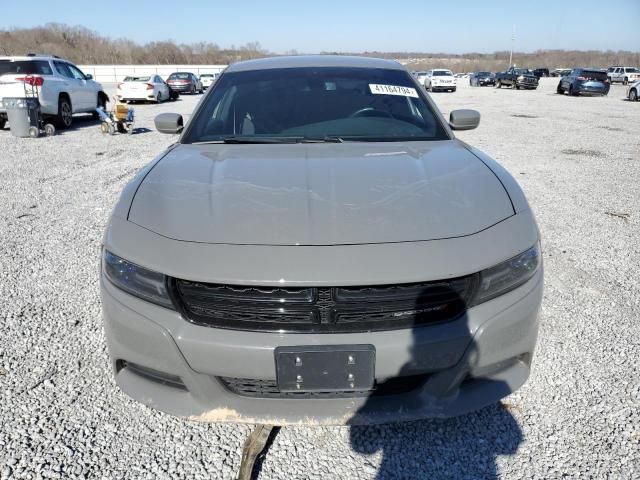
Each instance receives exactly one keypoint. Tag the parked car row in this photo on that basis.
(153, 88)
(61, 87)
(64, 90)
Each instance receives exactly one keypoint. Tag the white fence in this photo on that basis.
(116, 73)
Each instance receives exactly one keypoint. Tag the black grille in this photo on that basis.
(251, 387)
(323, 309)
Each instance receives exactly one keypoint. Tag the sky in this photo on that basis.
(350, 25)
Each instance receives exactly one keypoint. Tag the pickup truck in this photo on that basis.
(517, 78)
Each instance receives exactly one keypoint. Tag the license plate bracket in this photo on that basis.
(325, 368)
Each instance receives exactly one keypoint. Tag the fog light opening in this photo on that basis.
(151, 374)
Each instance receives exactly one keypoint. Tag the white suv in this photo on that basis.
(440, 79)
(623, 74)
(61, 87)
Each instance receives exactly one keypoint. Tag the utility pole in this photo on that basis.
(513, 40)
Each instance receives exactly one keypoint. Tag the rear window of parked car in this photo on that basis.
(137, 79)
(442, 73)
(27, 67)
(181, 76)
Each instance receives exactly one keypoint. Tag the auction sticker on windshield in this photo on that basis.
(377, 89)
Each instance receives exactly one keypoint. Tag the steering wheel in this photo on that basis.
(370, 112)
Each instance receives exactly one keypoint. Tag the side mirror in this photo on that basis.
(169, 123)
(464, 119)
(88, 76)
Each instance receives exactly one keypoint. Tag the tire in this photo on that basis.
(130, 129)
(122, 128)
(625, 81)
(3, 122)
(559, 90)
(34, 132)
(498, 84)
(633, 95)
(571, 92)
(104, 127)
(159, 98)
(49, 130)
(64, 118)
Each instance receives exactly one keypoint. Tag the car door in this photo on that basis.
(617, 75)
(70, 85)
(87, 92)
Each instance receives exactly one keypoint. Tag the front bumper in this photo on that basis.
(443, 86)
(471, 362)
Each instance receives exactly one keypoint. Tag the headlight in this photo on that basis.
(140, 282)
(507, 276)
(521, 77)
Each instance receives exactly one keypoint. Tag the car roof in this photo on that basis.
(20, 58)
(314, 61)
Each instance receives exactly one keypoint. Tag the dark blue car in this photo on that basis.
(584, 81)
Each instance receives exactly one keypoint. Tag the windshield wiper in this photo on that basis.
(256, 139)
(325, 139)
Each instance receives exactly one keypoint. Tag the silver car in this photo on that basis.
(318, 248)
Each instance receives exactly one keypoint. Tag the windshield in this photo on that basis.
(314, 103)
(442, 73)
(631, 70)
(137, 79)
(26, 67)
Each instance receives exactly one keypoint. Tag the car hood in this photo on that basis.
(319, 194)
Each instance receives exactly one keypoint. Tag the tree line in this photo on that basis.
(84, 46)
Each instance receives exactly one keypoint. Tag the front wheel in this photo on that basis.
(159, 98)
(633, 95)
(625, 81)
(498, 84)
(3, 122)
(559, 90)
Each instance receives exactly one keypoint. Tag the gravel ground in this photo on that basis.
(61, 415)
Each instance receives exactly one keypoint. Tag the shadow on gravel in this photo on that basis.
(462, 447)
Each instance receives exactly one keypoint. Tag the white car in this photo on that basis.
(150, 88)
(421, 77)
(440, 79)
(633, 92)
(625, 75)
(62, 88)
(208, 79)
